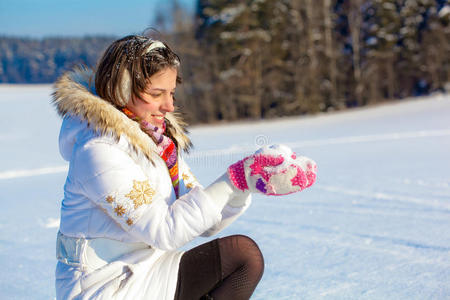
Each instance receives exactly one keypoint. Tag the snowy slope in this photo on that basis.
(375, 225)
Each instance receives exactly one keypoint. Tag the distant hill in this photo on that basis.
(26, 60)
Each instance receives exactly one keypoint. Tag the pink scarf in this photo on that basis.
(166, 147)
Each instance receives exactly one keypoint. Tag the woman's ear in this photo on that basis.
(123, 90)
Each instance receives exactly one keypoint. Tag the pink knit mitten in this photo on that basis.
(273, 170)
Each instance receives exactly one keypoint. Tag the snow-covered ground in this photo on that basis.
(374, 226)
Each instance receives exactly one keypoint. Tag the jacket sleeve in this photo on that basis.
(138, 202)
(228, 214)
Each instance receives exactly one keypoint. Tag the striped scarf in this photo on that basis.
(166, 147)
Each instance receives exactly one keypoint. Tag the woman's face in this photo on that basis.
(157, 99)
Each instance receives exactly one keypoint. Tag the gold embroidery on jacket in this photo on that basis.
(119, 210)
(190, 181)
(141, 193)
(125, 207)
(110, 199)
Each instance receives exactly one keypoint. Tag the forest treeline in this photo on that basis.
(26, 60)
(257, 59)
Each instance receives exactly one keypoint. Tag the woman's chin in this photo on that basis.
(158, 122)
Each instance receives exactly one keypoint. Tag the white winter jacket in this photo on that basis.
(119, 204)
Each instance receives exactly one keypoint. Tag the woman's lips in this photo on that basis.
(158, 117)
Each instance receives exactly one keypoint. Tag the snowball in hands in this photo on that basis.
(273, 170)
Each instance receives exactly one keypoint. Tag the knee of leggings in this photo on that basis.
(255, 258)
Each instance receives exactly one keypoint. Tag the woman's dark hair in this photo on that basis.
(127, 65)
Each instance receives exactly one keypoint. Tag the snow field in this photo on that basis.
(374, 226)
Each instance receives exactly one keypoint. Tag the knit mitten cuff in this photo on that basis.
(236, 174)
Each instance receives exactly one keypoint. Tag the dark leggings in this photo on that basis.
(225, 268)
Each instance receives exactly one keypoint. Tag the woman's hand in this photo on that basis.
(273, 170)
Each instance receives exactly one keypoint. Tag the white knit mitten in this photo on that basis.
(273, 170)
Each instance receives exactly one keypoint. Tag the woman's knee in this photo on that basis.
(256, 258)
(249, 251)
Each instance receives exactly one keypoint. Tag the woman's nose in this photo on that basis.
(167, 104)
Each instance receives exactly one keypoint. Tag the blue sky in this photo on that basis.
(40, 18)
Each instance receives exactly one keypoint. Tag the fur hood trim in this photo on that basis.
(75, 95)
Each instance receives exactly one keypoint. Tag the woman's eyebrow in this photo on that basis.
(160, 89)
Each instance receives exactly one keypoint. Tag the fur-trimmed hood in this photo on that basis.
(75, 96)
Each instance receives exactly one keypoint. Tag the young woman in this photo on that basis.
(130, 200)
